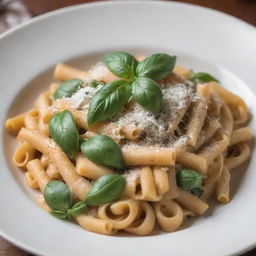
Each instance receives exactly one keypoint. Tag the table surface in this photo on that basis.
(16, 13)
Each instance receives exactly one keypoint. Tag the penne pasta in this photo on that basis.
(64, 72)
(148, 156)
(191, 202)
(222, 186)
(14, 124)
(169, 215)
(198, 113)
(240, 135)
(23, 154)
(78, 185)
(145, 222)
(137, 153)
(121, 214)
(89, 169)
(240, 153)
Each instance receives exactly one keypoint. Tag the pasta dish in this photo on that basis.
(133, 144)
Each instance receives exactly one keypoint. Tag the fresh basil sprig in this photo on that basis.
(139, 78)
(148, 94)
(102, 150)
(94, 83)
(201, 77)
(108, 101)
(77, 209)
(60, 214)
(68, 88)
(189, 179)
(122, 64)
(58, 197)
(64, 132)
(157, 66)
(197, 192)
(105, 189)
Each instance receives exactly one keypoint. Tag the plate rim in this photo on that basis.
(115, 2)
(92, 5)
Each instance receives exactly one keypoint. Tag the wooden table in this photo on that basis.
(243, 9)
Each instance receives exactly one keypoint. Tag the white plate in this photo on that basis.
(201, 38)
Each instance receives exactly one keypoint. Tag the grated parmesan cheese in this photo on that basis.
(99, 72)
(82, 97)
(178, 94)
(156, 128)
(131, 175)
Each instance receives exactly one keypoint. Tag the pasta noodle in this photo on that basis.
(237, 105)
(183, 72)
(239, 154)
(31, 119)
(121, 214)
(145, 221)
(110, 129)
(14, 124)
(240, 135)
(88, 222)
(64, 72)
(88, 169)
(53, 172)
(222, 186)
(148, 156)
(191, 202)
(173, 191)
(213, 174)
(170, 161)
(169, 215)
(198, 113)
(23, 154)
(77, 184)
(31, 181)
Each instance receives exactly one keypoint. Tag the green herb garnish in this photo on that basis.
(94, 83)
(189, 179)
(122, 64)
(105, 189)
(197, 191)
(148, 94)
(64, 132)
(201, 77)
(108, 101)
(138, 82)
(68, 88)
(102, 150)
(58, 196)
(157, 66)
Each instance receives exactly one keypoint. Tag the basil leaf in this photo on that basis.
(122, 64)
(94, 83)
(156, 66)
(64, 132)
(197, 192)
(148, 94)
(108, 101)
(77, 209)
(59, 214)
(102, 150)
(105, 189)
(57, 195)
(68, 88)
(202, 77)
(189, 179)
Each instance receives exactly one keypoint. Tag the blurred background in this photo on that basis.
(14, 12)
